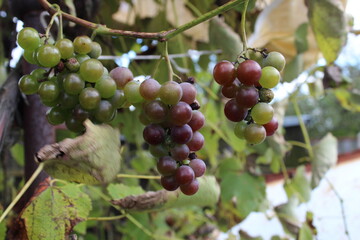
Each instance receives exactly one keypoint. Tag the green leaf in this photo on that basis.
(53, 214)
(131, 231)
(266, 158)
(287, 216)
(229, 165)
(241, 6)
(223, 37)
(91, 158)
(293, 68)
(248, 189)
(17, 152)
(2, 226)
(305, 232)
(347, 99)
(316, 88)
(325, 157)
(119, 190)
(328, 22)
(299, 185)
(301, 42)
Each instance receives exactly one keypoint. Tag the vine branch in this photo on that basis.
(161, 36)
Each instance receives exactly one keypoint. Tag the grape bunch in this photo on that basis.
(248, 86)
(71, 80)
(172, 121)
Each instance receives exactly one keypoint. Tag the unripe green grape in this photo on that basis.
(256, 56)
(74, 125)
(68, 101)
(170, 93)
(66, 48)
(28, 38)
(106, 86)
(254, 133)
(104, 112)
(132, 92)
(55, 116)
(270, 77)
(72, 64)
(239, 129)
(91, 70)
(30, 57)
(50, 103)
(82, 58)
(48, 55)
(95, 50)
(48, 91)
(276, 60)
(89, 98)
(73, 84)
(118, 99)
(82, 44)
(39, 73)
(28, 84)
(262, 113)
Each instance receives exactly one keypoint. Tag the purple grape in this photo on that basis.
(184, 175)
(191, 188)
(180, 114)
(181, 134)
(169, 183)
(234, 112)
(198, 166)
(154, 134)
(166, 166)
(197, 142)
(180, 152)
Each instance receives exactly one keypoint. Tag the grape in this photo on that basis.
(55, 116)
(118, 99)
(197, 121)
(28, 38)
(169, 183)
(249, 72)
(262, 113)
(50, 103)
(89, 98)
(30, 57)
(224, 73)
(28, 84)
(122, 76)
(132, 93)
(39, 73)
(234, 112)
(198, 166)
(154, 134)
(48, 55)
(66, 48)
(68, 101)
(189, 92)
(104, 112)
(229, 91)
(256, 56)
(271, 126)
(82, 44)
(197, 142)
(73, 84)
(180, 114)
(95, 50)
(91, 70)
(166, 166)
(180, 152)
(270, 77)
(184, 175)
(158, 150)
(276, 60)
(239, 129)
(170, 92)
(82, 58)
(48, 91)
(149, 89)
(80, 114)
(74, 125)
(72, 64)
(247, 96)
(254, 133)
(191, 188)
(106, 86)
(266, 95)
(156, 111)
(181, 134)
(144, 119)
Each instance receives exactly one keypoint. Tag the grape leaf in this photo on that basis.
(325, 157)
(248, 189)
(119, 190)
(328, 22)
(287, 215)
(299, 186)
(53, 214)
(293, 68)
(305, 232)
(241, 6)
(91, 158)
(301, 42)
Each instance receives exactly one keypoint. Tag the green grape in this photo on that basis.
(95, 50)
(39, 74)
(50, 103)
(48, 55)
(30, 57)
(89, 98)
(48, 91)
(132, 92)
(66, 48)
(82, 44)
(276, 60)
(170, 93)
(91, 70)
(104, 112)
(262, 113)
(28, 38)
(55, 115)
(106, 86)
(270, 77)
(118, 99)
(256, 56)
(82, 58)
(68, 101)
(72, 64)
(28, 84)
(73, 84)
(254, 133)
(239, 129)
(74, 125)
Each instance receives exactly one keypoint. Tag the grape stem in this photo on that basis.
(137, 176)
(243, 27)
(160, 36)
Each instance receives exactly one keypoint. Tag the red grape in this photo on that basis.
(249, 72)
(234, 112)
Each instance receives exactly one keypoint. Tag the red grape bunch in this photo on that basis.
(248, 87)
(71, 80)
(172, 121)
